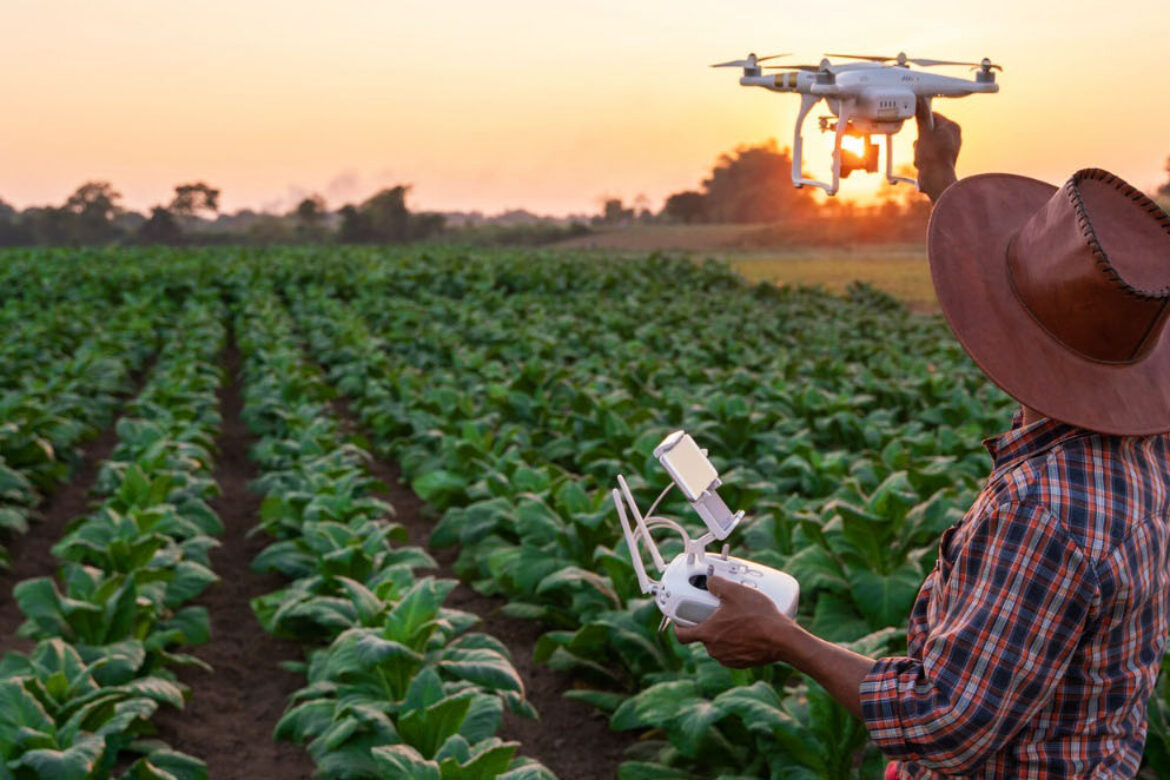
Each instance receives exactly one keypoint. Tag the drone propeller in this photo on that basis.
(902, 59)
(752, 61)
(870, 57)
(823, 67)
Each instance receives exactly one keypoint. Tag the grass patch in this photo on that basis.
(900, 271)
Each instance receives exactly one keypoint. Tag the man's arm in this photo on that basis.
(774, 637)
(935, 151)
(1011, 615)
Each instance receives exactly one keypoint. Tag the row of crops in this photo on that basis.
(61, 374)
(402, 686)
(511, 389)
(113, 625)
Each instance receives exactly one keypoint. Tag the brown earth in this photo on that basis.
(229, 721)
(570, 738)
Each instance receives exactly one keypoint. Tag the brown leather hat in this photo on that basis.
(1061, 295)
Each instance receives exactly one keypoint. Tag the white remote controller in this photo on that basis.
(682, 595)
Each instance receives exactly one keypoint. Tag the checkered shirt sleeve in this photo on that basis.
(1008, 610)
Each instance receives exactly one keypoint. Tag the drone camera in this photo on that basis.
(864, 159)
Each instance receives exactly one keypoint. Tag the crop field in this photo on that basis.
(271, 513)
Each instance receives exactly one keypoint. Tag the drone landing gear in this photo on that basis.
(890, 177)
(798, 180)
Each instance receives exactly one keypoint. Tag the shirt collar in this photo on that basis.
(1024, 441)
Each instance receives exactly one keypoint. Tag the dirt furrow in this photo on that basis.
(229, 721)
(571, 738)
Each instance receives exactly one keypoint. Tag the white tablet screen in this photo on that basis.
(689, 467)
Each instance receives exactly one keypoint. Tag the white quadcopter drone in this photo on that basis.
(682, 595)
(868, 98)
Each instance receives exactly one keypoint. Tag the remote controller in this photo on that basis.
(682, 594)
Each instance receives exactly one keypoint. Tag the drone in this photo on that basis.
(872, 96)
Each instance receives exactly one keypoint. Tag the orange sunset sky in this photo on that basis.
(541, 105)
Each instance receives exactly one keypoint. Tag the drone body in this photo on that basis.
(865, 99)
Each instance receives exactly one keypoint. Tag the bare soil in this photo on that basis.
(229, 721)
(571, 738)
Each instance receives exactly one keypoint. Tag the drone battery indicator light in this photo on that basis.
(686, 464)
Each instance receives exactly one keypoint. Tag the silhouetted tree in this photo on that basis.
(754, 184)
(614, 212)
(310, 217)
(1164, 190)
(13, 232)
(161, 228)
(87, 216)
(388, 214)
(687, 207)
(192, 199)
(385, 218)
(310, 211)
(356, 226)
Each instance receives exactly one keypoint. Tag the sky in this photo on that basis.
(548, 106)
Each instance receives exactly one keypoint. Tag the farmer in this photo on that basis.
(1035, 643)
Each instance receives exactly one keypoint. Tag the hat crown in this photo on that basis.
(1093, 267)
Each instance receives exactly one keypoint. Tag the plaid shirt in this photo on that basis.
(1035, 642)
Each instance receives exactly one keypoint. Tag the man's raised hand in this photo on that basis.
(936, 150)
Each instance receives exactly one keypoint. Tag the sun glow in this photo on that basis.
(855, 144)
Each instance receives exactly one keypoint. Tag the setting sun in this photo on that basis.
(854, 144)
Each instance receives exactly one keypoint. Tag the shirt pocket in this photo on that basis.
(946, 553)
(943, 563)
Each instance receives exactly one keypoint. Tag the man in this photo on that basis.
(1035, 643)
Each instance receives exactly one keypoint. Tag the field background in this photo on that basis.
(370, 488)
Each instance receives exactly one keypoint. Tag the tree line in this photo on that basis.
(94, 215)
(750, 184)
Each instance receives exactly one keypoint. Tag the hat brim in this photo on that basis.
(969, 234)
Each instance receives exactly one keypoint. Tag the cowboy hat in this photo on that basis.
(1060, 295)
